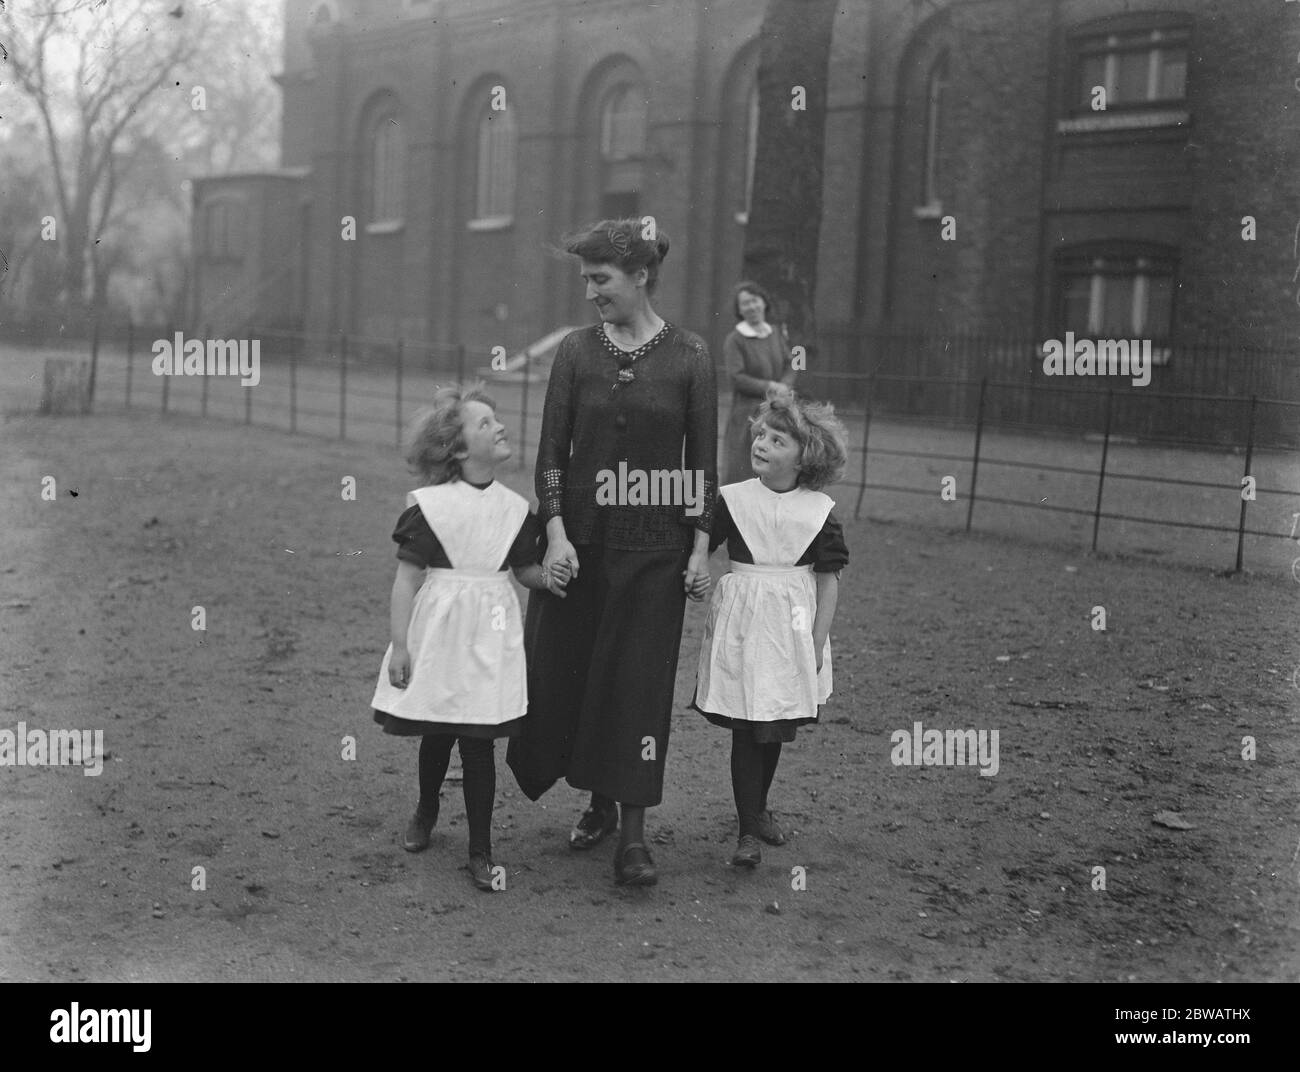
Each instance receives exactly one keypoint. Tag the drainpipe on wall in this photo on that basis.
(859, 306)
(1054, 89)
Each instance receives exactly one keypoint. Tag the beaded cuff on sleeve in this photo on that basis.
(704, 520)
(551, 494)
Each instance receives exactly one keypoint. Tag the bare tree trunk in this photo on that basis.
(786, 205)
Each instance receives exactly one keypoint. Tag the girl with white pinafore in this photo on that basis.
(765, 660)
(454, 670)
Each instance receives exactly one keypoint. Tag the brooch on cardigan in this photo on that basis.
(625, 373)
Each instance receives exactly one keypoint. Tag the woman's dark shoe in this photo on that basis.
(418, 830)
(594, 826)
(769, 830)
(633, 866)
(749, 853)
(480, 869)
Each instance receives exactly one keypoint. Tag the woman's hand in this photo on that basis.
(778, 390)
(559, 566)
(399, 668)
(558, 551)
(697, 575)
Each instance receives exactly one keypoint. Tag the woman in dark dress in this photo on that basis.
(758, 364)
(630, 395)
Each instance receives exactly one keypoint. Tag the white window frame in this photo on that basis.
(495, 170)
(1140, 307)
(610, 120)
(386, 149)
(1158, 42)
(751, 151)
(936, 87)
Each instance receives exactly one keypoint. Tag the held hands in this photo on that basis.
(559, 567)
(399, 668)
(697, 576)
(557, 577)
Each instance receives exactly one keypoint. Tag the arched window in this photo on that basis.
(386, 170)
(623, 124)
(622, 149)
(494, 191)
(935, 93)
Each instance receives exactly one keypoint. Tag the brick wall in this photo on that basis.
(1017, 188)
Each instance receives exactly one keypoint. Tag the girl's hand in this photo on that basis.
(557, 552)
(399, 668)
(697, 575)
(699, 588)
(557, 578)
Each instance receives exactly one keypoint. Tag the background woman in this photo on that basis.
(758, 363)
(602, 663)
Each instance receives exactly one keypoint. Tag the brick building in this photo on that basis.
(971, 182)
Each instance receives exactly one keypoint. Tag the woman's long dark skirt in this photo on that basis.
(602, 663)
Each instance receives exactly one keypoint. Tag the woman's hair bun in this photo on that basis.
(621, 242)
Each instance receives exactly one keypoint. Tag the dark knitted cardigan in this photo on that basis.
(664, 418)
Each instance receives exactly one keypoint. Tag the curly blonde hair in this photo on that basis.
(821, 435)
(436, 433)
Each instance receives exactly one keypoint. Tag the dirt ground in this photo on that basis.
(225, 753)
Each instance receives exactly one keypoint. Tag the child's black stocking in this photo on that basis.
(435, 754)
(771, 757)
(480, 787)
(746, 778)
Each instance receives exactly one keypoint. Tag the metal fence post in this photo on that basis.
(293, 387)
(130, 357)
(203, 391)
(975, 461)
(1101, 476)
(866, 436)
(343, 385)
(523, 422)
(1250, 450)
(167, 380)
(398, 393)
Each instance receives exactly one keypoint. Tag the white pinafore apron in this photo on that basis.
(757, 661)
(466, 634)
